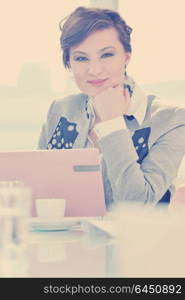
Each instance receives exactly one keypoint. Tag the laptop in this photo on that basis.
(72, 174)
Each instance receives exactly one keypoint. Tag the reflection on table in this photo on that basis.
(67, 254)
(141, 243)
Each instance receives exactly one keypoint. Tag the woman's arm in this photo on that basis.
(148, 181)
(42, 144)
(43, 139)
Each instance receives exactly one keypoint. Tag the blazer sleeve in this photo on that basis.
(44, 135)
(146, 182)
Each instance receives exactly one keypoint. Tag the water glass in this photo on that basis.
(15, 208)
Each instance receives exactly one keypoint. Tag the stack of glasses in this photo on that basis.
(15, 208)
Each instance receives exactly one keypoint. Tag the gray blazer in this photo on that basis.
(139, 163)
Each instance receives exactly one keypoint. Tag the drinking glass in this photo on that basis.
(15, 208)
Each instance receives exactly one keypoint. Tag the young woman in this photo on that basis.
(142, 143)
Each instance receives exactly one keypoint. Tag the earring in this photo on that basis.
(125, 70)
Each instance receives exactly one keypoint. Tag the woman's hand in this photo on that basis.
(111, 103)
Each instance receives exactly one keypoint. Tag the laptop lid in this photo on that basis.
(73, 174)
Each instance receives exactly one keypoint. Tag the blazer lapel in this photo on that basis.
(71, 128)
(83, 123)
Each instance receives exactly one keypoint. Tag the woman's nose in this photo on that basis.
(95, 68)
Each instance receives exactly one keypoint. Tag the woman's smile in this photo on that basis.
(98, 82)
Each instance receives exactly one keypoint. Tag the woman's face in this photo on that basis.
(98, 62)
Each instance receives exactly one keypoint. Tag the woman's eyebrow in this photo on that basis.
(101, 50)
(79, 52)
(105, 48)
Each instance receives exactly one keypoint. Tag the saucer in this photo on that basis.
(43, 224)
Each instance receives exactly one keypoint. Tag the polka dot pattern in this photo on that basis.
(140, 141)
(64, 135)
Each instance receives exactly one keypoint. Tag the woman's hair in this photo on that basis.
(84, 21)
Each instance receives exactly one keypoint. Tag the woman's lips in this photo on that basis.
(98, 82)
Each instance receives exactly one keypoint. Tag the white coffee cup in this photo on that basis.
(53, 208)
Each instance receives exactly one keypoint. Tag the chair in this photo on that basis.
(179, 196)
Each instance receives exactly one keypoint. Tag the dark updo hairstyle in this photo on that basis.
(84, 21)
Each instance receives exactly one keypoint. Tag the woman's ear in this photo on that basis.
(127, 57)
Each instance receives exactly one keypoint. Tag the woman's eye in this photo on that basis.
(107, 54)
(80, 58)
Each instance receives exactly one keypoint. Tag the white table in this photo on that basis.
(69, 254)
(144, 247)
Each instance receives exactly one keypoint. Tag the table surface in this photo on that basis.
(143, 249)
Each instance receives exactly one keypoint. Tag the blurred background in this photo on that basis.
(31, 70)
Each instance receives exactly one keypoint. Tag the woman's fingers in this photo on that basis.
(117, 85)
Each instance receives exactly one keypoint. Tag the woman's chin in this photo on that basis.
(93, 92)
